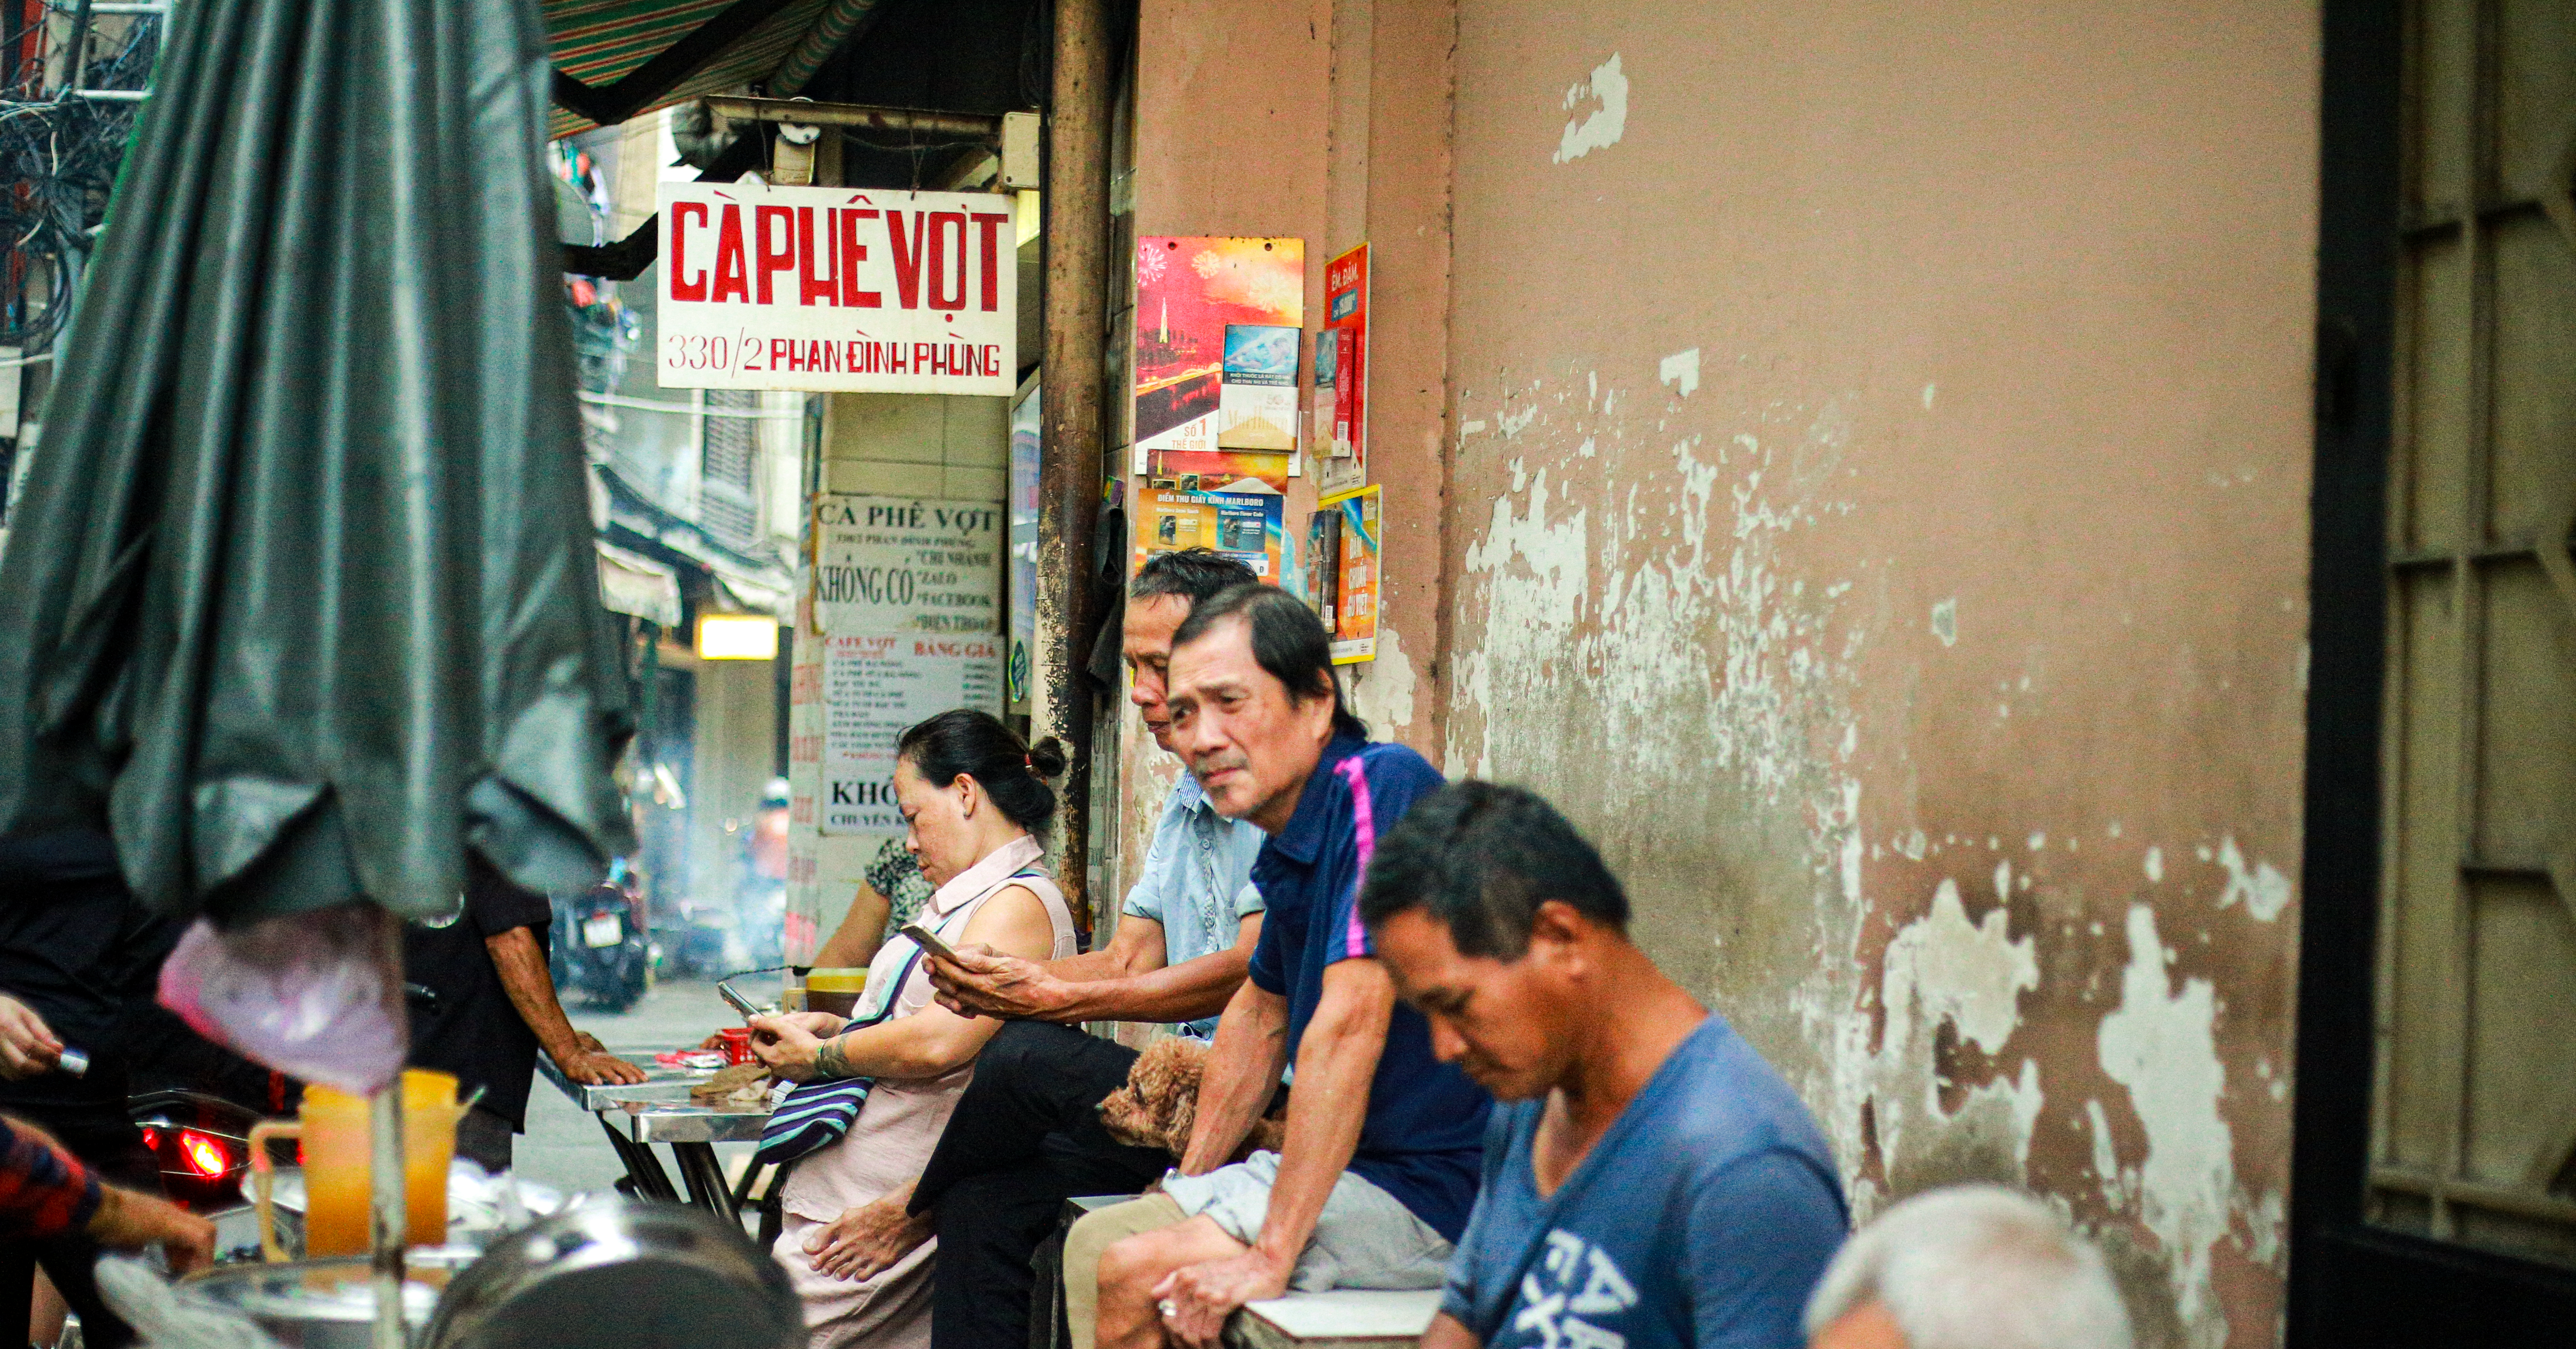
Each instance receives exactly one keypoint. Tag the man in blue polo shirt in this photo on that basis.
(1651, 1183)
(1383, 1145)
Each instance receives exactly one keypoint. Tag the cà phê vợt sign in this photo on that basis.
(834, 288)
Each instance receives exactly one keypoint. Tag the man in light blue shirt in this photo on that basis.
(1027, 1133)
(1195, 853)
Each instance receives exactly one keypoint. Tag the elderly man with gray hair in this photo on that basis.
(1968, 1267)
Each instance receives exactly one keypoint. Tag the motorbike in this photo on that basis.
(697, 938)
(200, 1141)
(600, 946)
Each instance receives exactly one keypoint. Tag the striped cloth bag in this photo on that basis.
(818, 1114)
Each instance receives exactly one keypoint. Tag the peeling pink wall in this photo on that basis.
(1879, 517)
(1853, 458)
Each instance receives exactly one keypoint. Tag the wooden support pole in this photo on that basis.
(1069, 469)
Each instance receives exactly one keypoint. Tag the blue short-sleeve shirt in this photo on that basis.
(1701, 1220)
(1196, 880)
(1425, 1128)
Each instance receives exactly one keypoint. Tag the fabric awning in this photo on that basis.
(720, 44)
(631, 583)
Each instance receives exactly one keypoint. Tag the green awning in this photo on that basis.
(600, 42)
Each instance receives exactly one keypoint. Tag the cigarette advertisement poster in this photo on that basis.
(1341, 454)
(1256, 405)
(906, 564)
(1190, 292)
(1354, 613)
(1246, 526)
(837, 288)
(874, 686)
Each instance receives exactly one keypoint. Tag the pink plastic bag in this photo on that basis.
(315, 995)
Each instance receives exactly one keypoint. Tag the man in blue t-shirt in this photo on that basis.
(1651, 1183)
(1378, 1171)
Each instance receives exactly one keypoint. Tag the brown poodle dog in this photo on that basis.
(1161, 1101)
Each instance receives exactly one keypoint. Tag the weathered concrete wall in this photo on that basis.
(1390, 186)
(1878, 516)
(1230, 123)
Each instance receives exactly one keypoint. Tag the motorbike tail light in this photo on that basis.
(204, 1155)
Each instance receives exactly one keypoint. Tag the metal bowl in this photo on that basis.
(316, 1304)
(621, 1274)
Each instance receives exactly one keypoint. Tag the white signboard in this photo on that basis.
(837, 288)
(906, 564)
(875, 686)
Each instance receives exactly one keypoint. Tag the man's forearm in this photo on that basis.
(1183, 992)
(1241, 1073)
(1336, 1062)
(1106, 963)
(532, 990)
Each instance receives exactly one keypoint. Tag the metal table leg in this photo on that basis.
(704, 1175)
(642, 1167)
(750, 1181)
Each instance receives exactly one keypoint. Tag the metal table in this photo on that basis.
(657, 1110)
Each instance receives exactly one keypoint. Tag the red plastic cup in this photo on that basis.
(737, 1044)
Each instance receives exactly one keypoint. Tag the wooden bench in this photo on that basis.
(1345, 1318)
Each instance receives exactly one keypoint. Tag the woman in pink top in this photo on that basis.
(973, 796)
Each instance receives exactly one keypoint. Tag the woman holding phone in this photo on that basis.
(974, 797)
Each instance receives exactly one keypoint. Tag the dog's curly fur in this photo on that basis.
(1160, 1102)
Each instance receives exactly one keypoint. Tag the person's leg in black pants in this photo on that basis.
(989, 1227)
(1026, 1136)
(1031, 1081)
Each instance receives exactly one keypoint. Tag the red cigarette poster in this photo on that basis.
(1341, 456)
(1195, 296)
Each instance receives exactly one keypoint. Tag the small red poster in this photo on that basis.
(1341, 459)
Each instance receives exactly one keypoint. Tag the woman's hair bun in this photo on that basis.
(966, 742)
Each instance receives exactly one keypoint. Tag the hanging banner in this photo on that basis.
(1341, 415)
(1356, 585)
(836, 288)
(874, 687)
(906, 564)
(1245, 526)
(1198, 300)
(1025, 429)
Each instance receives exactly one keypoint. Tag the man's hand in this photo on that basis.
(1197, 1299)
(598, 1067)
(985, 982)
(129, 1221)
(865, 1241)
(27, 1044)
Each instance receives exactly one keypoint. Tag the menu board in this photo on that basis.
(906, 564)
(875, 685)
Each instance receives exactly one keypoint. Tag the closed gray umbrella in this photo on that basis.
(300, 596)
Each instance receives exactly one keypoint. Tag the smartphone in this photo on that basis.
(740, 1003)
(927, 940)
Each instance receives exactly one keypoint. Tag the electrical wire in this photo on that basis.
(59, 155)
